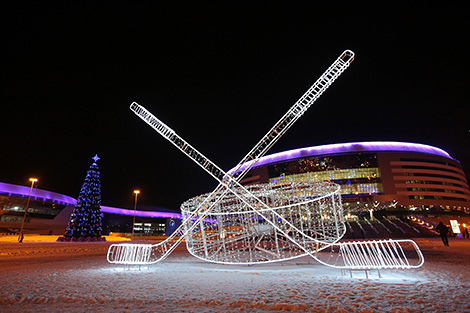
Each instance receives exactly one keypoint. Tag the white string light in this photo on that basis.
(228, 182)
(267, 222)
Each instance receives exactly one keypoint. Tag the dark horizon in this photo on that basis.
(220, 80)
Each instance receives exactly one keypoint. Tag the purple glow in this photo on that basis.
(107, 209)
(37, 194)
(343, 148)
(45, 195)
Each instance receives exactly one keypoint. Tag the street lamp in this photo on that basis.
(135, 206)
(20, 236)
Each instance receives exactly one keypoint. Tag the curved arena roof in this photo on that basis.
(44, 195)
(347, 148)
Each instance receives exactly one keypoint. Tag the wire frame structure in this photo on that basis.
(236, 224)
(125, 254)
(235, 233)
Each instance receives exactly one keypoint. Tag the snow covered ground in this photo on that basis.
(75, 277)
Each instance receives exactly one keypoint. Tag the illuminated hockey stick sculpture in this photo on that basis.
(292, 220)
(124, 254)
(290, 231)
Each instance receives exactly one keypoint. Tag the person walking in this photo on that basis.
(465, 232)
(443, 231)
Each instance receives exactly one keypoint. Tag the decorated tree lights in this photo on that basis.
(85, 221)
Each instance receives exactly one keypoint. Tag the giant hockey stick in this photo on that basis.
(144, 254)
(364, 255)
(127, 254)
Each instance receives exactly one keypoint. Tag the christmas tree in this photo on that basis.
(85, 221)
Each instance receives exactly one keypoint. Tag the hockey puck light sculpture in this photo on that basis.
(236, 233)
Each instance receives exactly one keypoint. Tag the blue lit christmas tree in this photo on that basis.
(85, 221)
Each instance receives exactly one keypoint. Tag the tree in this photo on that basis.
(85, 221)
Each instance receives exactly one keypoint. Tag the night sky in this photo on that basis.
(220, 76)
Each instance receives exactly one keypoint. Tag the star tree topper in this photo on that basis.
(95, 158)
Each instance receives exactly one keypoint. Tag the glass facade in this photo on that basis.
(357, 174)
(12, 208)
(324, 163)
(143, 226)
(424, 182)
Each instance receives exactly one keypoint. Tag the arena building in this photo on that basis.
(49, 213)
(374, 175)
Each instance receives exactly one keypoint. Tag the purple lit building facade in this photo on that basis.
(408, 175)
(49, 213)
(405, 175)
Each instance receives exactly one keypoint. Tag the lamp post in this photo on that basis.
(20, 236)
(135, 206)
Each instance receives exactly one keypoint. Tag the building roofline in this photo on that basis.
(347, 148)
(38, 194)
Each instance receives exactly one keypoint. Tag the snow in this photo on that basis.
(38, 276)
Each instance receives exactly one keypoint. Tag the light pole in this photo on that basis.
(20, 236)
(135, 206)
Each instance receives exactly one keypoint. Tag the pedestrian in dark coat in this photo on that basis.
(443, 231)
(465, 232)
